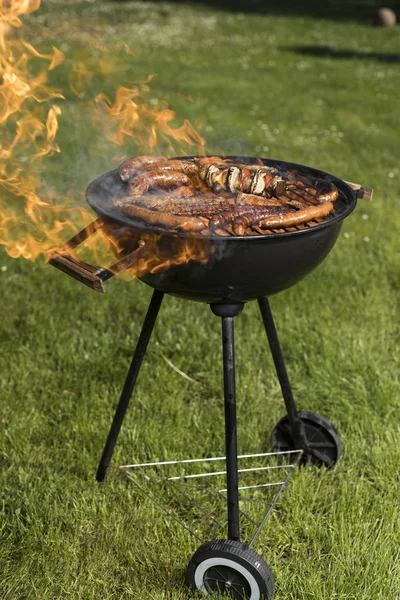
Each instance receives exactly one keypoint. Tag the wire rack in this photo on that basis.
(262, 479)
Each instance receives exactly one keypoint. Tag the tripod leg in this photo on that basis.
(230, 428)
(296, 424)
(130, 382)
(227, 312)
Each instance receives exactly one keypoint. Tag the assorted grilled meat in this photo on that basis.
(214, 195)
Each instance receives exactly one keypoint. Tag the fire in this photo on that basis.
(130, 117)
(157, 253)
(32, 219)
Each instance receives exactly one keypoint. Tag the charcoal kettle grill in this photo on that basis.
(237, 270)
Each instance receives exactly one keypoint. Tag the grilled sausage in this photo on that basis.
(222, 219)
(292, 219)
(161, 219)
(253, 200)
(129, 167)
(246, 220)
(189, 205)
(150, 181)
(188, 167)
(326, 191)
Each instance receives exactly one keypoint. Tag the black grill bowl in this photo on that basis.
(238, 269)
(246, 269)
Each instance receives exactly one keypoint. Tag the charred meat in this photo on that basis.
(214, 195)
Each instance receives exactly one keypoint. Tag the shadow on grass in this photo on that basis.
(342, 10)
(328, 52)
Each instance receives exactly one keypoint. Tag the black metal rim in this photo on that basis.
(226, 580)
(109, 186)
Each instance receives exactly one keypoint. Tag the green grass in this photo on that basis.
(65, 350)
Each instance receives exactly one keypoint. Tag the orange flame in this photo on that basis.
(32, 220)
(179, 252)
(10, 11)
(157, 253)
(28, 128)
(130, 117)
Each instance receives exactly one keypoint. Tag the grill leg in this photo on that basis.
(228, 312)
(296, 424)
(130, 382)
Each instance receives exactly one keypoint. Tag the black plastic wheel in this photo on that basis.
(323, 441)
(231, 568)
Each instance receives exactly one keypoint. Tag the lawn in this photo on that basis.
(298, 88)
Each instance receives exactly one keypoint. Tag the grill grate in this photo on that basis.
(339, 205)
(103, 194)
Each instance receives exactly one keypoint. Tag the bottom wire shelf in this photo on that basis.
(262, 479)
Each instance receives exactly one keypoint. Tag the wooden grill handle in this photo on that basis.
(90, 275)
(363, 193)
